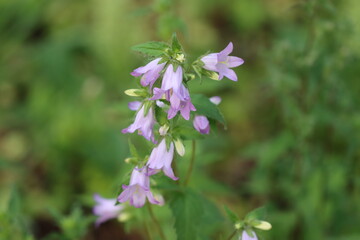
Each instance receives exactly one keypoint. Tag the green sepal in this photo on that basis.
(231, 215)
(175, 45)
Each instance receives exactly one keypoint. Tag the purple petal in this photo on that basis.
(222, 56)
(141, 70)
(201, 124)
(234, 61)
(135, 105)
(246, 236)
(215, 100)
(225, 71)
(210, 61)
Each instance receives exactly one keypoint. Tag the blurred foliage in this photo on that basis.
(293, 120)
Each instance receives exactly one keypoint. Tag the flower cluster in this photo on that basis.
(165, 96)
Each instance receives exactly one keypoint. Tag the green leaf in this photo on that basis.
(187, 209)
(176, 47)
(187, 132)
(133, 150)
(231, 215)
(205, 107)
(161, 116)
(257, 214)
(154, 49)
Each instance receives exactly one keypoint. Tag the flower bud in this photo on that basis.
(214, 76)
(124, 217)
(179, 146)
(163, 129)
(134, 92)
(263, 225)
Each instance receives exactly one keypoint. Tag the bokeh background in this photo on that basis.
(293, 137)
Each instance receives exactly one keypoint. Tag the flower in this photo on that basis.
(106, 209)
(138, 189)
(201, 124)
(246, 236)
(150, 72)
(161, 159)
(143, 123)
(221, 62)
(172, 80)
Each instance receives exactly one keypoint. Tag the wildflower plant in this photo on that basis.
(167, 115)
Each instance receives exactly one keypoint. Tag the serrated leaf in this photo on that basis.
(188, 211)
(231, 215)
(205, 107)
(154, 49)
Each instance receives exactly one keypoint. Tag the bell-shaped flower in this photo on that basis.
(246, 236)
(181, 101)
(221, 62)
(201, 124)
(150, 72)
(161, 159)
(143, 123)
(106, 209)
(172, 80)
(138, 189)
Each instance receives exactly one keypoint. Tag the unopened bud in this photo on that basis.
(123, 217)
(163, 129)
(134, 92)
(238, 225)
(131, 160)
(263, 225)
(214, 76)
(180, 57)
(179, 147)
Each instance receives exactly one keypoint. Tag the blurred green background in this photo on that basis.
(292, 140)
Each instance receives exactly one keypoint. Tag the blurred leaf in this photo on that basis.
(176, 47)
(231, 215)
(154, 49)
(205, 107)
(187, 209)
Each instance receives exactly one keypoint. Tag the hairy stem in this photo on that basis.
(232, 235)
(192, 161)
(152, 215)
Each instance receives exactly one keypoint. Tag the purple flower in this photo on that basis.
(161, 158)
(135, 105)
(201, 124)
(221, 62)
(215, 100)
(246, 236)
(172, 80)
(143, 123)
(105, 209)
(138, 189)
(150, 72)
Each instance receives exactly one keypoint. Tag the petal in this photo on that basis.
(215, 100)
(227, 72)
(151, 198)
(126, 194)
(234, 61)
(210, 61)
(138, 198)
(141, 70)
(222, 56)
(134, 106)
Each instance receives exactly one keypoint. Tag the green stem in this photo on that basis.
(192, 161)
(152, 215)
(232, 235)
(147, 232)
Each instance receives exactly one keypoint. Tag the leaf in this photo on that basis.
(133, 150)
(161, 116)
(205, 107)
(176, 47)
(231, 215)
(256, 214)
(187, 209)
(187, 132)
(154, 49)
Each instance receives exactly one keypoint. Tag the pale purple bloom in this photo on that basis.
(161, 159)
(172, 80)
(246, 236)
(135, 105)
(143, 123)
(221, 62)
(215, 100)
(150, 72)
(201, 124)
(106, 209)
(138, 189)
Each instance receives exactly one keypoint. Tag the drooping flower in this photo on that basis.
(161, 159)
(138, 189)
(172, 80)
(221, 62)
(246, 236)
(106, 209)
(150, 72)
(143, 123)
(201, 124)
